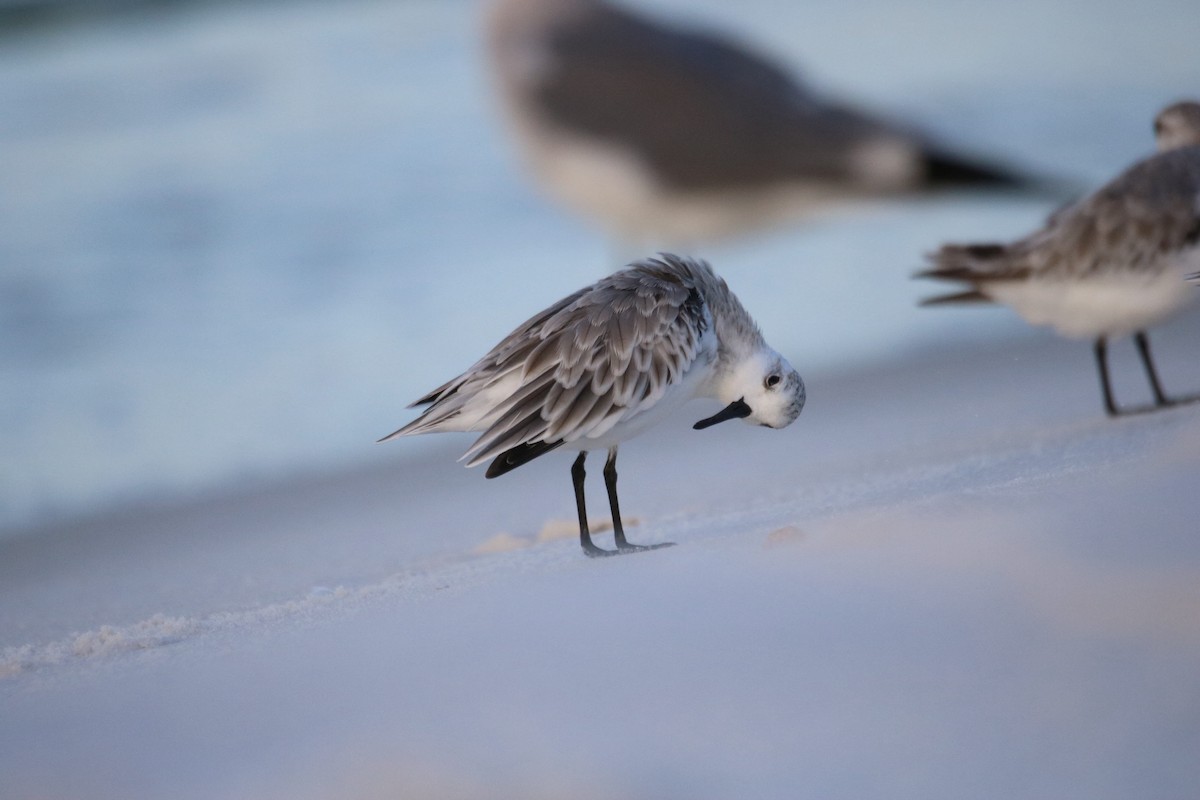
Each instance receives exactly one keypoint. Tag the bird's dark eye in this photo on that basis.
(1158, 127)
(772, 381)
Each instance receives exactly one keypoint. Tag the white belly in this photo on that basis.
(612, 185)
(1104, 305)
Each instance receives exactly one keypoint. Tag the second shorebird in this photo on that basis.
(667, 134)
(605, 363)
(1111, 264)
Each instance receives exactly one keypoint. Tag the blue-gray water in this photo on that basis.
(236, 241)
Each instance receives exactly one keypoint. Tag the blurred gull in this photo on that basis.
(1111, 264)
(605, 363)
(668, 134)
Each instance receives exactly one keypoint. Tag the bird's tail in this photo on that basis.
(442, 408)
(957, 298)
(970, 264)
(418, 425)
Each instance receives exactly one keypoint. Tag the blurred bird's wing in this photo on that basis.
(608, 74)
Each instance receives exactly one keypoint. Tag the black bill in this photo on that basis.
(735, 410)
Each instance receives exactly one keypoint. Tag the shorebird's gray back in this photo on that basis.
(595, 359)
(1128, 226)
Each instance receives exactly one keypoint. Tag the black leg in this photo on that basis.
(585, 538)
(1143, 346)
(1102, 363)
(610, 483)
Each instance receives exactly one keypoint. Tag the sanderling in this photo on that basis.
(1111, 264)
(603, 364)
(670, 135)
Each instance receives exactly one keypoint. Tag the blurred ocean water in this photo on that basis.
(235, 240)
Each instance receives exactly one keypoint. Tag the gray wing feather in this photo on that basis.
(447, 401)
(1149, 211)
(603, 358)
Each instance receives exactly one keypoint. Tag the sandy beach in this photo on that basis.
(952, 577)
(239, 238)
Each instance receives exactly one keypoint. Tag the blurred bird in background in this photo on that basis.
(666, 135)
(1111, 264)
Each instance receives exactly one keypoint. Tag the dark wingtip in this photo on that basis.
(515, 457)
(945, 170)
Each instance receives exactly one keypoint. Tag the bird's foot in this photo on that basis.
(1166, 402)
(626, 547)
(591, 551)
(623, 548)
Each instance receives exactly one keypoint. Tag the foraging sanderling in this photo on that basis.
(603, 364)
(1109, 265)
(665, 134)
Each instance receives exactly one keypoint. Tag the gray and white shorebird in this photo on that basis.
(666, 134)
(603, 364)
(1111, 264)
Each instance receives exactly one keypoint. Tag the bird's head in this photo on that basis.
(1177, 125)
(763, 389)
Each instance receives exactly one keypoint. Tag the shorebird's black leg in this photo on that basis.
(585, 538)
(1143, 346)
(610, 483)
(1102, 363)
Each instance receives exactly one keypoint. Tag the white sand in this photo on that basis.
(237, 239)
(952, 577)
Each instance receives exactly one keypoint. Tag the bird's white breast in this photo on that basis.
(1105, 304)
(612, 183)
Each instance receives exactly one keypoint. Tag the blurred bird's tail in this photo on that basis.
(971, 264)
(957, 298)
